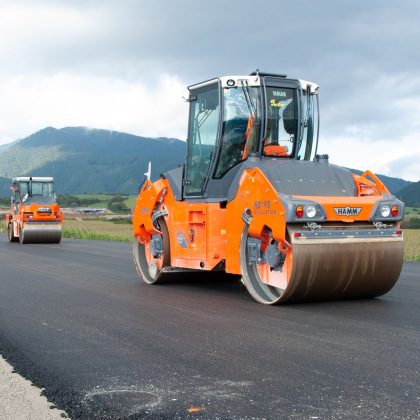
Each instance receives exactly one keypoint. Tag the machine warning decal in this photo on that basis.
(182, 240)
(262, 208)
(347, 211)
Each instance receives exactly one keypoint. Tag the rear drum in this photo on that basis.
(325, 269)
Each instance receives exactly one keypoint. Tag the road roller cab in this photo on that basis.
(35, 215)
(255, 199)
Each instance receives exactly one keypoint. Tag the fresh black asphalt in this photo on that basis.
(76, 320)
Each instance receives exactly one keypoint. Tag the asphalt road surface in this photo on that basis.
(76, 320)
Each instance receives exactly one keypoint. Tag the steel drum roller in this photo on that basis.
(326, 269)
(40, 234)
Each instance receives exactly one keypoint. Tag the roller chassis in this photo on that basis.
(338, 257)
(37, 220)
(253, 200)
(37, 231)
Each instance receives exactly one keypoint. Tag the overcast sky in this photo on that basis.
(125, 64)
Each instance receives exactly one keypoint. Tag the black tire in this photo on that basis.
(10, 234)
(141, 259)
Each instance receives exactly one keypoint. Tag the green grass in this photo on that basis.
(103, 204)
(99, 228)
(87, 234)
(412, 245)
(129, 200)
(411, 221)
(412, 210)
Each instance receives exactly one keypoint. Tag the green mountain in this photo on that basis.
(5, 191)
(93, 160)
(89, 160)
(410, 193)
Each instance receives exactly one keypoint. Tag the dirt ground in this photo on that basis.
(19, 400)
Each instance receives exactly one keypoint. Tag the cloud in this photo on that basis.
(74, 100)
(395, 157)
(406, 167)
(122, 65)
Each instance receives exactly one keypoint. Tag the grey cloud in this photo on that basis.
(405, 166)
(362, 54)
(322, 40)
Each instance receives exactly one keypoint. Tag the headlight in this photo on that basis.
(300, 210)
(390, 208)
(385, 211)
(310, 211)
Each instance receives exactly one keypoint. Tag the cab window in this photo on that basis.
(202, 136)
(238, 131)
(309, 115)
(281, 122)
(42, 188)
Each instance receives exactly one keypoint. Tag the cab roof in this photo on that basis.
(253, 79)
(32, 178)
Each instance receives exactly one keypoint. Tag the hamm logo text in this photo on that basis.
(347, 211)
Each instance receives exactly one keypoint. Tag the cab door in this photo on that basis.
(203, 132)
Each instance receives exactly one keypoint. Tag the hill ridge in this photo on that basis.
(93, 160)
(83, 159)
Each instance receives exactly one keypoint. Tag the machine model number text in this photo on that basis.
(262, 208)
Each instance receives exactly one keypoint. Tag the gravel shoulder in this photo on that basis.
(20, 400)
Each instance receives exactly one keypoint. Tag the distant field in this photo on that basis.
(89, 200)
(115, 202)
(129, 200)
(107, 230)
(412, 210)
(119, 230)
(411, 221)
(412, 245)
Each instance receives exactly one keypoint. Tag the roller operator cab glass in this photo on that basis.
(281, 121)
(202, 136)
(42, 188)
(230, 122)
(284, 127)
(240, 134)
(291, 118)
(29, 192)
(46, 189)
(306, 146)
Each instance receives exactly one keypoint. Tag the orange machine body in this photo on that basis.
(206, 236)
(255, 199)
(34, 217)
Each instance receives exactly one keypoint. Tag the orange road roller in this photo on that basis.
(34, 216)
(255, 199)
